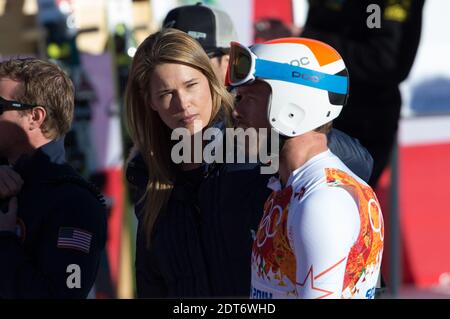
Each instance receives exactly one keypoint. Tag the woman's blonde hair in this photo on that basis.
(148, 132)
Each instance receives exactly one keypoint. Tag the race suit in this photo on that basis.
(321, 235)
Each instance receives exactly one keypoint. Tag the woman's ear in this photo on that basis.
(153, 107)
(37, 117)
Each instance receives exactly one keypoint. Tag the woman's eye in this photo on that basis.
(237, 98)
(192, 84)
(164, 95)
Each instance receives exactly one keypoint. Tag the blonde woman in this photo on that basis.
(171, 85)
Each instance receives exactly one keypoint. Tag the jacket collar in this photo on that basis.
(34, 164)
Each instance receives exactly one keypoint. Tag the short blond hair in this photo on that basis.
(44, 84)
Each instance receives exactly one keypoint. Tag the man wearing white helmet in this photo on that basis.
(321, 235)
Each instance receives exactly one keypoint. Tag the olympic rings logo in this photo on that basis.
(267, 225)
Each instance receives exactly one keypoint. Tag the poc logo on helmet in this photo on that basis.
(302, 61)
(306, 77)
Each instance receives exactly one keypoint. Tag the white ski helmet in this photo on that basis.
(308, 79)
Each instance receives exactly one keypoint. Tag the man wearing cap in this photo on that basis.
(211, 27)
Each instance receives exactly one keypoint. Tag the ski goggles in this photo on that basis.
(7, 105)
(245, 67)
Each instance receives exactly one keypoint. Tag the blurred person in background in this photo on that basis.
(379, 48)
(272, 28)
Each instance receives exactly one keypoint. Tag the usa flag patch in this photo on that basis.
(74, 238)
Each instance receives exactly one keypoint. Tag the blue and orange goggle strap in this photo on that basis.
(295, 74)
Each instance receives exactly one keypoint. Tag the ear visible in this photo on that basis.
(225, 59)
(153, 107)
(37, 117)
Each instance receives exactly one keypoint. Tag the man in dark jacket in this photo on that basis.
(378, 41)
(52, 222)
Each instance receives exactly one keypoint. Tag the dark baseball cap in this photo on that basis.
(211, 27)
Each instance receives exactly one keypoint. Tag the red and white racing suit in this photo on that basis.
(321, 235)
